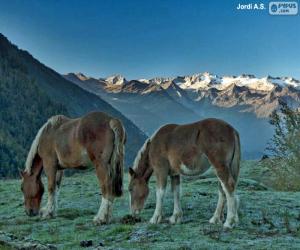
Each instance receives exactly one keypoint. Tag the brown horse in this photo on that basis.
(189, 150)
(73, 143)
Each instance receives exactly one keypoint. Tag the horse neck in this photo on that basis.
(37, 166)
(144, 168)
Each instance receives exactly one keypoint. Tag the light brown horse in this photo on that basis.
(188, 150)
(73, 143)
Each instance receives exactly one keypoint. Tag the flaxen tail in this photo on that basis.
(236, 158)
(117, 157)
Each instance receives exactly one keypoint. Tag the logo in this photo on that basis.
(273, 8)
(283, 8)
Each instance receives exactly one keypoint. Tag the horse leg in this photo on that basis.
(177, 212)
(228, 186)
(105, 211)
(50, 168)
(161, 183)
(218, 215)
(232, 206)
(59, 176)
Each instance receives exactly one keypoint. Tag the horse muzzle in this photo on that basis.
(31, 212)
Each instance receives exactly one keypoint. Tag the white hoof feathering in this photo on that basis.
(46, 213)
(215, 220)
(156, 219)
(175, 218)
(228, 225)
(49, 210)
(105, 212)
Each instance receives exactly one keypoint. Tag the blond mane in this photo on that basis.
(142, 150)
(52, 121)
(139, 154)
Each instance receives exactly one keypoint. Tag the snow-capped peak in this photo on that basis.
(160, 80)
(81, 76)
(198, 81)
(116, 80)
(207, 81)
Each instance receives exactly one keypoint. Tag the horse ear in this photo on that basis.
(132, 172)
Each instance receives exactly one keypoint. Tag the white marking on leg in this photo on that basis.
(237, 204)
(157, 216)
(219, 209)
(49, 210)
(177, 212)
(105, 211)
(231, 207)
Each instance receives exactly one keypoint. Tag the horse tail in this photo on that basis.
(117, 157)
(236, 158)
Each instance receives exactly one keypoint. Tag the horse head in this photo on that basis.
(139, 190)
(33, 190)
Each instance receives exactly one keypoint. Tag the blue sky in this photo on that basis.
(143, 38)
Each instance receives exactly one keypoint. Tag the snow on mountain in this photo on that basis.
(244, 101)
(206, 81)
(144, 80)
(198, 81)
(116, 80)
(81, 76)
(160, 80)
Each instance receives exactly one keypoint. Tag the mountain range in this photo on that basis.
(31, 92)
(245, 101)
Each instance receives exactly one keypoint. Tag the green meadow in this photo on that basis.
(269, 219)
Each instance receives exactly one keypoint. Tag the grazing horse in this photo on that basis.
(75, 143)
(189, 149)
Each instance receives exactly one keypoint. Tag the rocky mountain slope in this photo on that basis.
(244, 101)
(148, 105)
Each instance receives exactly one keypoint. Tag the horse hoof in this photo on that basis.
(156, 219)
(44, 214)
(100, 221)
(227, 225)
(215, 220)
(175, 219)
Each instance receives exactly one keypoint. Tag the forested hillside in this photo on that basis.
(23, 109)
(30, 93)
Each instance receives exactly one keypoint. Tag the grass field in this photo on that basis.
(268, 219)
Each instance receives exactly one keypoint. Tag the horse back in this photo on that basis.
(74, 142)
(188, 146)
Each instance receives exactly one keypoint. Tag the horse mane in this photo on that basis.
(52, 121)
(141, 162)
(140, 154)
